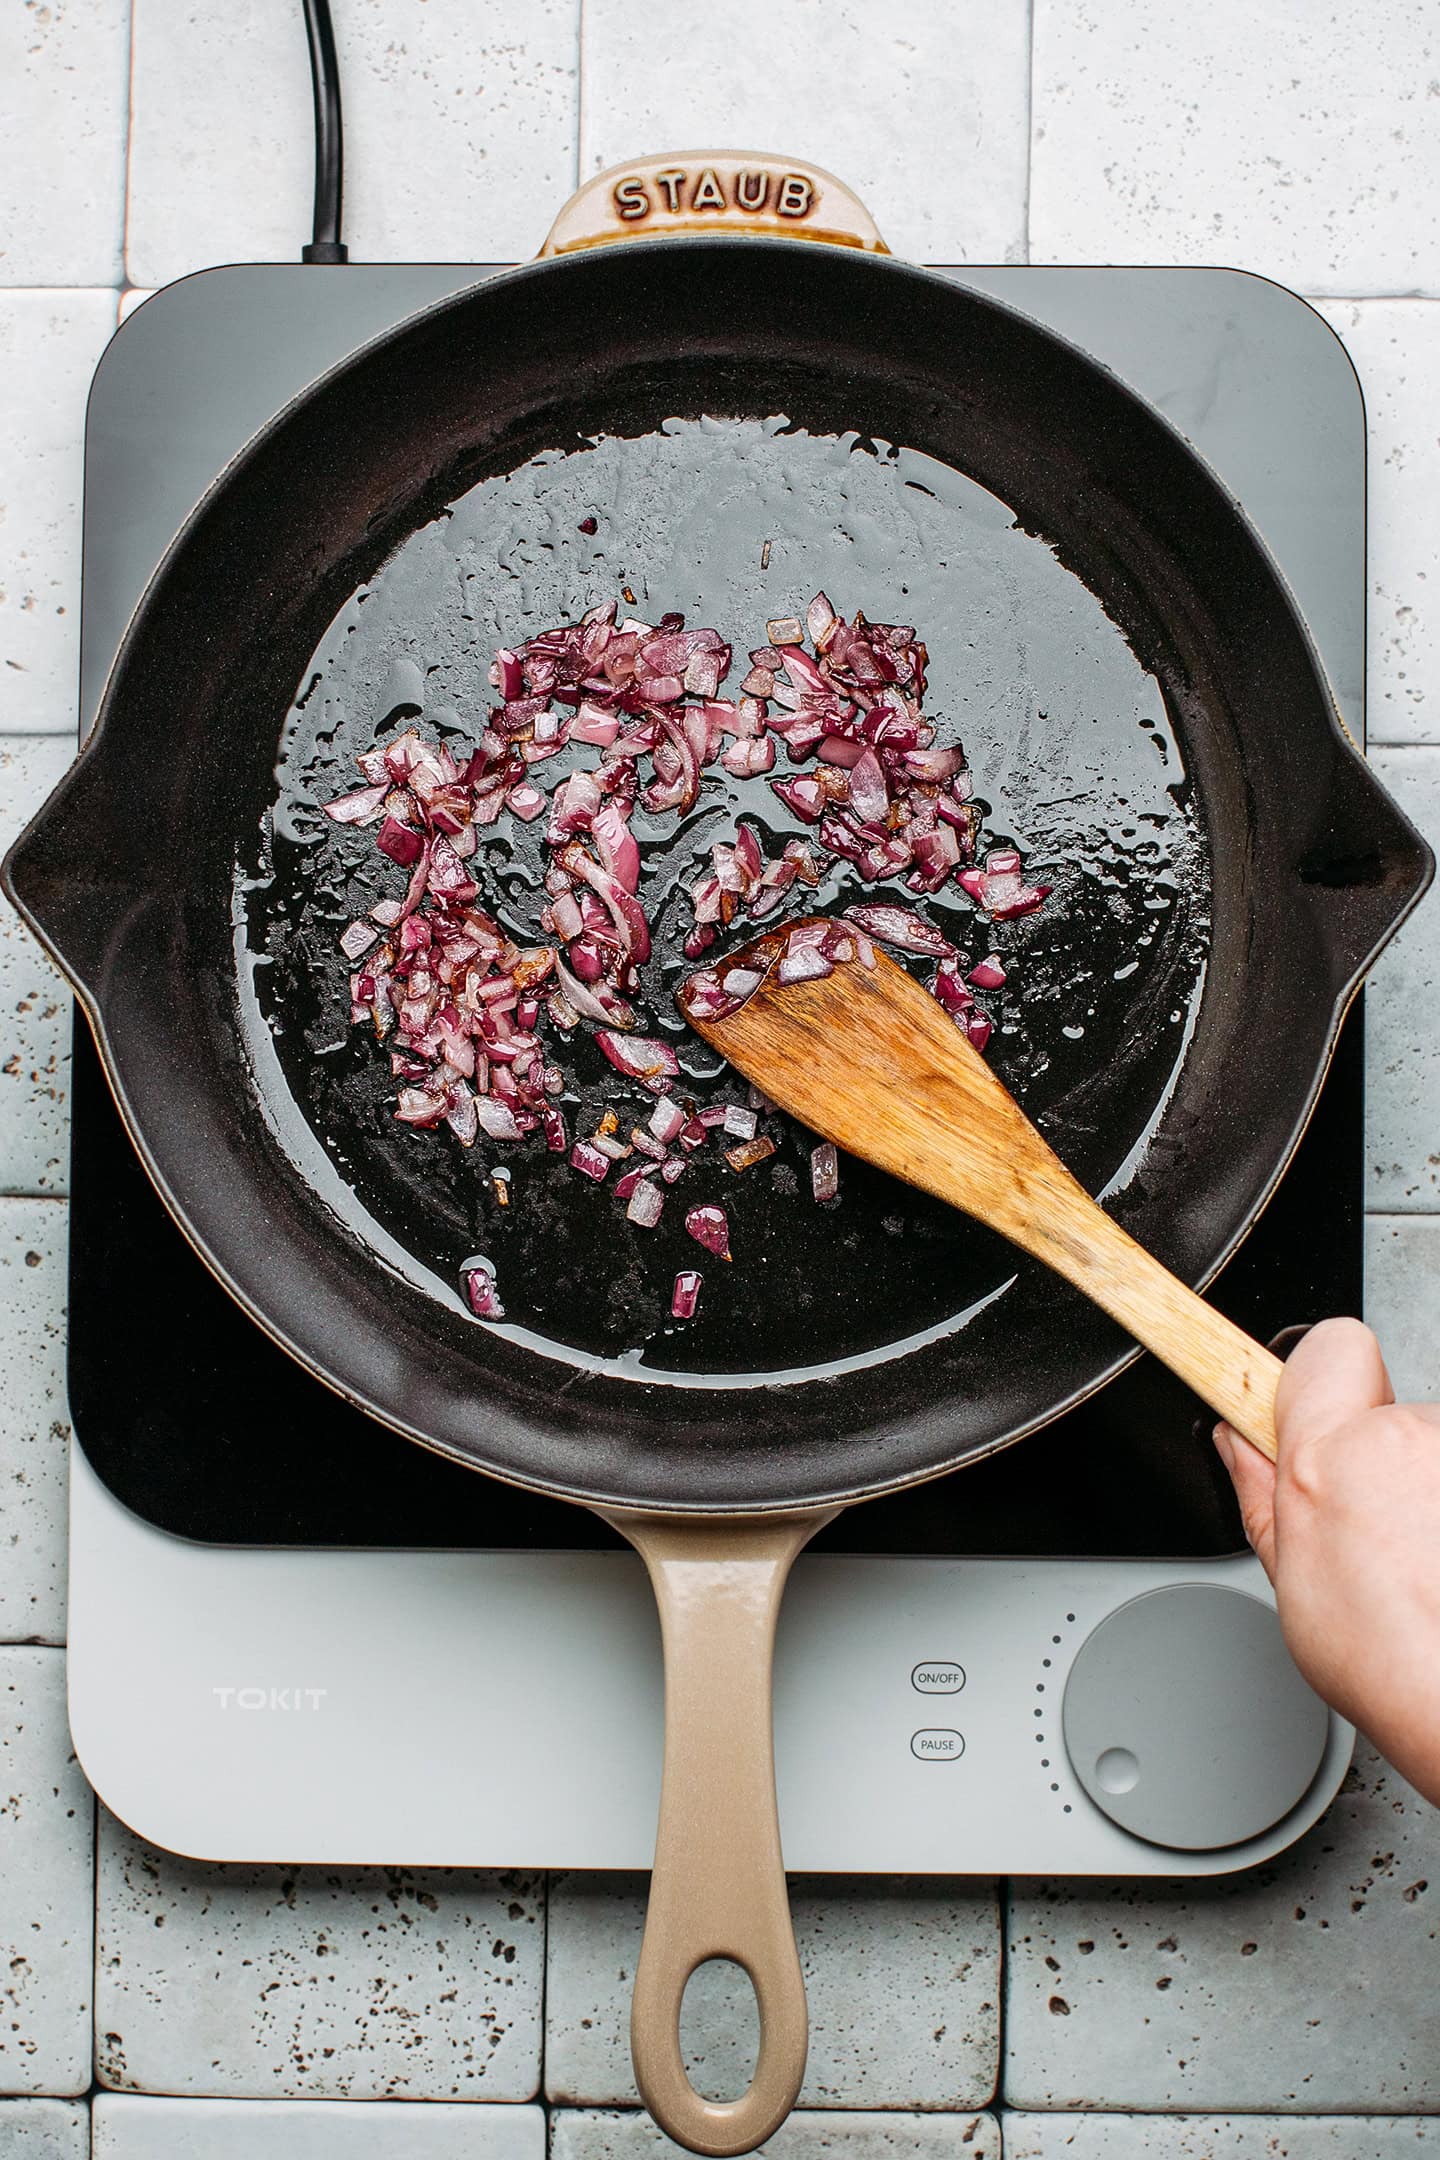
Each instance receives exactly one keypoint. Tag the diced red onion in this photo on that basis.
(824, 1171)
(600, 1003)
(948, 990)
(361, 807)
(417, 1106)
(820, 621)
(399, 842)
(869, 796)
(841, 750)
(749, 1152)
(572, 807)
(665, 1121)
(357, 938)
(989, 974)
(619, 851)
(804, 795)
(1024, 901)
(686, 1294)
(497, 1119)
(628, 915)
(640, 1057)
(462, 1115)
(709, 1227)
(552, 1120)
(805, 963)
(747, 760)
(482, 1295)
(646, 1205)
(589, 1161)
(900, 927)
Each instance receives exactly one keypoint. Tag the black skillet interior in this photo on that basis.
(1134, 690)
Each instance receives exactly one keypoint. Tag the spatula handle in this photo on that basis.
(1224, 1365)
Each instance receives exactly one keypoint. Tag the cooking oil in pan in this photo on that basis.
(1076, 761)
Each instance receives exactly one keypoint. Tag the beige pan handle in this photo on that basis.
(713, 191)
(718, 1887)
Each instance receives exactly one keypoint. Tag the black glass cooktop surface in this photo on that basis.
(200, 1424)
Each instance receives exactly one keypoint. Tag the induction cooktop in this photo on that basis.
(266, 1585)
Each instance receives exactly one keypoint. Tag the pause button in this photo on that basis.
(937, 1744)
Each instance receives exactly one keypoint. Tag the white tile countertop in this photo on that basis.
(158, 2007)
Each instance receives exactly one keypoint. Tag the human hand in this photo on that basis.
(1346, 1524)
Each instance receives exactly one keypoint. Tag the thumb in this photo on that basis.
(1335, 1374)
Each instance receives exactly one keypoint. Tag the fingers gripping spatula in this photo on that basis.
(865, 1057)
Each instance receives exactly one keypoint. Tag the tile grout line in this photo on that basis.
(1002, 1992)
(540, 2093)
(129, 145)
(1029, 119)
(579, 91)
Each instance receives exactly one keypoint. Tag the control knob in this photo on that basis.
(1186, 1721)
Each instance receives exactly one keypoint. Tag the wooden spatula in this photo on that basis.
(867, 1058)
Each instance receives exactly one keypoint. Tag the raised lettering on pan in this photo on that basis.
(670, 180)
(631, 200)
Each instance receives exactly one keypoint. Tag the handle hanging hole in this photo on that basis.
(720, 2029)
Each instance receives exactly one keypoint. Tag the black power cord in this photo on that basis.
(326, 246)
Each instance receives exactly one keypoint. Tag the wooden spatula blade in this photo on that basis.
(867, 1058)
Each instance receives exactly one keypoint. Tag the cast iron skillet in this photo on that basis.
(139, 875)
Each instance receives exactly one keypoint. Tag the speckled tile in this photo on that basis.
(35, 1005)
(49, 344)
(44, 2130)
(34, 1420)
(309, 1983)
(47, 1847)
(63, 79)
(1402, 1299)
(902, 1976)
(1218, 2137)
(460, 128)
(136, 2128)
(1298, 142)
(922, 109)
(1395, 345)
(1402, 1016)
(810, 2134)
(1305, 1985)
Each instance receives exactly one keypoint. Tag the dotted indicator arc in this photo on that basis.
(1047, 1665)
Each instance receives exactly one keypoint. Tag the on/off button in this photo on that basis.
(936, 1744)
(938, 1676)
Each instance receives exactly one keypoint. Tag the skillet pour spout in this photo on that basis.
(78, 881)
